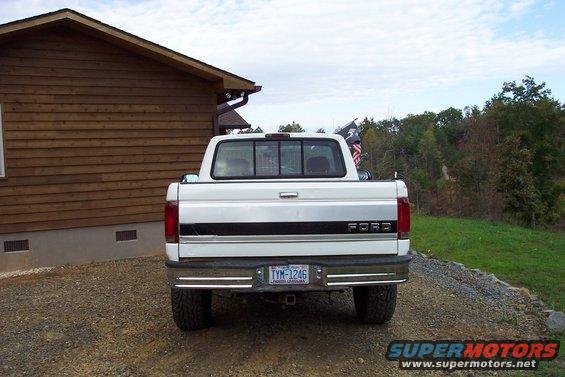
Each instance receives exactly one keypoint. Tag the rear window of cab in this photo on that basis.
(274, 159)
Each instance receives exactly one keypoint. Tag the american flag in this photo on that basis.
(356, 154)
(350, 133)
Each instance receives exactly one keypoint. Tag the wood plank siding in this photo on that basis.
(94, 133)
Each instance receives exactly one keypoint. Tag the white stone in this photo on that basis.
(556, 321)
(33, 271)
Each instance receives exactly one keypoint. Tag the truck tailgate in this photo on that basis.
(291, 218)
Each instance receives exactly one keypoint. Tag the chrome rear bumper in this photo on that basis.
(251, 274)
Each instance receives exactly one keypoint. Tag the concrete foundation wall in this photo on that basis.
(81, 245)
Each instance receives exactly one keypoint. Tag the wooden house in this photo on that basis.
(94, 124)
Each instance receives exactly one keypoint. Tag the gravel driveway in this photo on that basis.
(114, 318)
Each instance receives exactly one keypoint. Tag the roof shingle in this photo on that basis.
(231, 119)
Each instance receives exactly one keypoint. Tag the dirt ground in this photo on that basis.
(114, 318)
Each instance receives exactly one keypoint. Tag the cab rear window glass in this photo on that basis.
(257, 159)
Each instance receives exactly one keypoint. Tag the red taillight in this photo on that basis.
(172, 222)
(403, 210)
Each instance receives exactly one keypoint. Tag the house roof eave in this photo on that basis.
(224, 80)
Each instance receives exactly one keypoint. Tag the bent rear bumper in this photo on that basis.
(251, 274)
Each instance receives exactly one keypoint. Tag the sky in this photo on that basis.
(324, 63)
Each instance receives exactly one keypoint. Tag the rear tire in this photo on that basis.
(375, 304)
(192, 308)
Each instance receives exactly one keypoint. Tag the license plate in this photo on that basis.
(291, 274)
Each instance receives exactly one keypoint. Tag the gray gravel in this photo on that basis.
(114, 318)
(474, 284)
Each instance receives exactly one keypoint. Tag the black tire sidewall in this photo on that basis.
(191, 308)
(375, 304)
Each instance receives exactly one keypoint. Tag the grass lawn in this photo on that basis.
(523, 257)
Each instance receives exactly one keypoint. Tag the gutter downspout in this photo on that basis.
(243, 102)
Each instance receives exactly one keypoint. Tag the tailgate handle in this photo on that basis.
(288, 195)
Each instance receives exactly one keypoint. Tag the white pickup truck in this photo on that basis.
(283, 214)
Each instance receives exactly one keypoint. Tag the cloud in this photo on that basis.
(309, 50)
(331, 52)
(520, 6)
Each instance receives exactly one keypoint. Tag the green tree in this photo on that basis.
(365, 125)
(430, 157)
(251, 130)
(410, 131)
(369, 143)
(474, 172)
(483, 160)
(449, 132)
(291, 127)
(378, 145)
(521, 197)
(417, 182)
(392, 125)
(320, 131)
(526, 112)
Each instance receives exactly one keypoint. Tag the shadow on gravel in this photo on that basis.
(309, 308)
